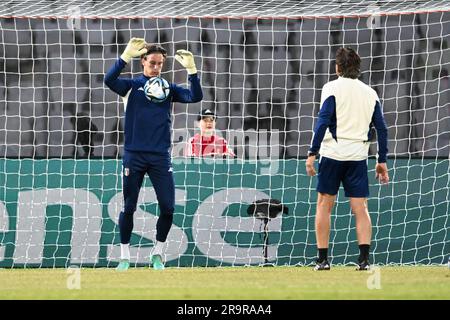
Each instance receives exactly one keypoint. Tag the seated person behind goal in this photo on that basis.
(207, 143)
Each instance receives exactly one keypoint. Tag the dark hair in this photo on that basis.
(154, 48)
(348, 62)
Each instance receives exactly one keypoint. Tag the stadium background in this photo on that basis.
(256, 73)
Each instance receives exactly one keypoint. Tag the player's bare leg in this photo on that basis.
(325, 203)
(363, 230)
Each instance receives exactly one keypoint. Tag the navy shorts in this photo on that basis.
(352, 174)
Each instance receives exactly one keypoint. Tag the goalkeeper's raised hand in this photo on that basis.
(187, 60)
(135, 48)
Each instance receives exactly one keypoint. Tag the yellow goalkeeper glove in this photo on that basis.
(187, 60)
(135, 48)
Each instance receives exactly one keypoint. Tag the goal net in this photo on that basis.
(262, 65)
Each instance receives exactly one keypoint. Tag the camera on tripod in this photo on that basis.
(267, 209)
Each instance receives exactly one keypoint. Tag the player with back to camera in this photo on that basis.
(207, 143)
(148, 103)
(349, 108)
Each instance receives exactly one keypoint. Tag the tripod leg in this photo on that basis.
(266, 240)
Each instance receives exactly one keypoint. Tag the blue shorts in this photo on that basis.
(352, 174)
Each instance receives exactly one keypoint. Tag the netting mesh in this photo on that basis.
(215, 8)
(262, 66)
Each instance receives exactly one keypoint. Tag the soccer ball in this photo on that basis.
(156, 89)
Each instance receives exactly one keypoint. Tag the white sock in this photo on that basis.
(125, 251)
(158, 248)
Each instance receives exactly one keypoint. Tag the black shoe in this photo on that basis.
(363, 266)
(324, 265)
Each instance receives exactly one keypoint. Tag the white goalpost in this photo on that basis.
(262, 65)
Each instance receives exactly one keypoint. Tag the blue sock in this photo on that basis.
(163, 226)
(125, 227)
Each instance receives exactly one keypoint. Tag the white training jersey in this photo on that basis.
(355, 103)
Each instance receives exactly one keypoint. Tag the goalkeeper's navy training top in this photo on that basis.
(148, 123)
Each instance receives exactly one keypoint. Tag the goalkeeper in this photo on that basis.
(147, 138)
(348, 110)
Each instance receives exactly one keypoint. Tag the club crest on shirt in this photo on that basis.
(126, 172)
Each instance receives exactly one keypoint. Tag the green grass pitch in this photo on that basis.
(274, 283)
